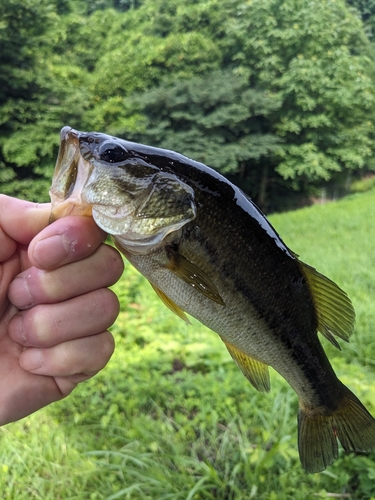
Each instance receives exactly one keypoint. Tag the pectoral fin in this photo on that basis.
(170, 304)
(193, 276)
(255, 371)
(334, 309)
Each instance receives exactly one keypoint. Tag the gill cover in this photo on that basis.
(157, 206)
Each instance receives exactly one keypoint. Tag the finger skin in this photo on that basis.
(85, 356)
(66, 240)
(7, 246)
(46, 325)
(35, 286)
(28, 392)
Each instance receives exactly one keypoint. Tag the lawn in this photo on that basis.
(171, 416)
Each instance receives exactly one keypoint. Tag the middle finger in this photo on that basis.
(47, 325)
(35, 286)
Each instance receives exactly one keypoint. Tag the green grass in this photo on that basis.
(171, 417)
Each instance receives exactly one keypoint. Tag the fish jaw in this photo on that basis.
(71, 175)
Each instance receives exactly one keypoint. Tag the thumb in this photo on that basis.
(21, 220)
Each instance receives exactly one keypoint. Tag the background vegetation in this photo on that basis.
(172, 417)
(278, 95)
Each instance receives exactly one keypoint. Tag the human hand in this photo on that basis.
(55, 306)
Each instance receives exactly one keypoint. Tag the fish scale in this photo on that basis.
(208, 251)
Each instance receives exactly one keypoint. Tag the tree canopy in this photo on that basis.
(279, 95)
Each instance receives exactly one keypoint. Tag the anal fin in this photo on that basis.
(170, 304)
(255, 371)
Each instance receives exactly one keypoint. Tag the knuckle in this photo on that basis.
(32, 327)
(46, 288)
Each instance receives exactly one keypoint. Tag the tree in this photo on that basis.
(143, 49)
(312, 54)
(310, 57)
(216, 119)
(366, 10)
(24, 25)
(39, 93)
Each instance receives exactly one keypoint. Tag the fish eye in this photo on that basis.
(112, 152)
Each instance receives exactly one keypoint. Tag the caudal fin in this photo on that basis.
(350, 423)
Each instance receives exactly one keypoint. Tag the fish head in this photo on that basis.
(112, 180)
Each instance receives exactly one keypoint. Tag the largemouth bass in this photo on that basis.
(208, 251)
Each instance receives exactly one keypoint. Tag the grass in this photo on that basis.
(171, 417)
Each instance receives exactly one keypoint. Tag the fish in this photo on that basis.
(209, 252)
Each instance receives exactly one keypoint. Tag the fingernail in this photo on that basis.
(31, 359)
(52, 251)
(16, 330)
(19, 292)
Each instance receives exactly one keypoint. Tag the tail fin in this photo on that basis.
(350, 423)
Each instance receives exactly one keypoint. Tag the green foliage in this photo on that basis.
(362, 185)
(33, 108)
(121, 5)
(366, 10)
(216, 119)
(22, 27)
(138, 56)
(322, 77)
(294, 96)
(321, 80)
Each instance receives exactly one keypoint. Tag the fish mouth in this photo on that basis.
(70, 177)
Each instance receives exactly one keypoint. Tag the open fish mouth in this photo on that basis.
(71, 174)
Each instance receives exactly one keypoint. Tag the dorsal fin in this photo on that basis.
(334, 309)
(255, 371)
(170, 304)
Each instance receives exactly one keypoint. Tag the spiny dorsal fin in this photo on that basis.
(255, 371)
(334, 309)
(193, 276)
(170, 304)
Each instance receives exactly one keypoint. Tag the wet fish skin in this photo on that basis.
(208, 250)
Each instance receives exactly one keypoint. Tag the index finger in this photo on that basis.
(66, 240)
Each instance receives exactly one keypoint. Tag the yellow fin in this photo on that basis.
(334, 309)
(170, 304)
(189, 272)
(255, 371)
